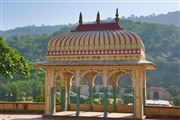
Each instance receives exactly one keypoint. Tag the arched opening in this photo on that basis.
(110, 93)
(124, 90)
(125, 94)
(84, 93)
(98, 90)
(63, 90)
(55, 92)
(156, 95)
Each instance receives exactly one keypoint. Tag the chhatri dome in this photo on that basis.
(97, 41)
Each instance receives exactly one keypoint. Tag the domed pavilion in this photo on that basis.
(105, 49)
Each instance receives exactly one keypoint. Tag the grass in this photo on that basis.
(110, 100)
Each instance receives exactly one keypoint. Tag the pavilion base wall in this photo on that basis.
(162, 112)
(20, 107)
(32, 108)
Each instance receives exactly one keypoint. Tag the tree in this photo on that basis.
(12, 62)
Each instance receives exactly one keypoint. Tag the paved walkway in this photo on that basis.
(20, 117)
(70, 115)
(63, 114)
(95, 114)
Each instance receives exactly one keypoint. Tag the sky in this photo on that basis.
(18, 13)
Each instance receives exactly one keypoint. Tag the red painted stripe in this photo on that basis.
(92, 33)
(118, 37)
(86, 34)
(99, 35)
(108, 37)
(95, 38)
(134, 36)
(60, 38)
(103, 37)
(68, 35)
(77, 38)
(54, 39)
(74, 38)
(94, 52)
(80, 38)
(123, 37)
(70, 38)
(113, 37)
(129, 36)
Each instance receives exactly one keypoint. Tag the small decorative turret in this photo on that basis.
(117, 16)
(80, 19)
(98, 18)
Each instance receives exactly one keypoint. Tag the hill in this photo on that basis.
(169, 18)
(30, 30)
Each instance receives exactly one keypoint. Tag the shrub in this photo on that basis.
(97, 101)
(127, 98)
(176, 101)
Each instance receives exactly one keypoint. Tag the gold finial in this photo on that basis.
(98, 18)
(80, 19)
(117, 16)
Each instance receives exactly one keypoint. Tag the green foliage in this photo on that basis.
(32, 47)
(162, 44)
(169, 18)
(12, 62)
(31, 89)
(97, 101)
(41, 99)
(57, 99)
(173, 90)
(30, 30)
(176, 101)
(15, 90)
(127, 98)
(83, 98)
(110, 101)
(98, 95)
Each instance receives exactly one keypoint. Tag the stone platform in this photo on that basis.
(70, 115)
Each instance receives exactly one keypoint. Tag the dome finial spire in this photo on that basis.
(98, 18)
(80, 19)
(117, 16)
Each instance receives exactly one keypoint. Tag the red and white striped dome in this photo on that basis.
(96, 39)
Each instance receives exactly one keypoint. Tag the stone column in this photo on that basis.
(137, 80)
(105, 88)
(49, 92)
(78, 78)
(145, 91)
(53, 109)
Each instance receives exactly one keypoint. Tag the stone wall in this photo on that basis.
(17, 107)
